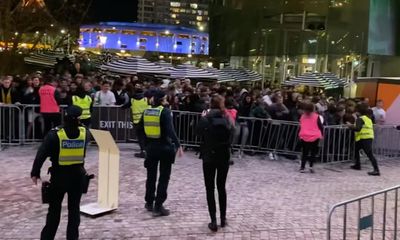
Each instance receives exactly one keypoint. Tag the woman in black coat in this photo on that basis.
(216, 131)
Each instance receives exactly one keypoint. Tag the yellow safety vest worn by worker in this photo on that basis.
(83, 103)
(6, 98)
(72, 151)
(137, 108)
(151, 122)
(367, 131)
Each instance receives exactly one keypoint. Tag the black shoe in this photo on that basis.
(213, 226)
(223, 223)
(160, 212)
(356, 167)
(149, 207)
(374, 173)
(231, 162)
(140, 155)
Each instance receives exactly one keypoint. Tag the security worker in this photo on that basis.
(364, 136)
(85, 102)
(161, 144)
(137, 104)
(66, 147)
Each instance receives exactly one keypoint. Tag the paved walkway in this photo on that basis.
(266, 199)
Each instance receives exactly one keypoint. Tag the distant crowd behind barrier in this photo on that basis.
(266, 119)
(272, 138)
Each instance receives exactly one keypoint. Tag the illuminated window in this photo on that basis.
(173, 15)
(193, 11)
(199, 24)
(175, 10)
(199, 18)
(175, 4)
(194, 5)
(182, 10)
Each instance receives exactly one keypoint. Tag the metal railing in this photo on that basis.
(23, 124)
(376, 212)
(386, 143)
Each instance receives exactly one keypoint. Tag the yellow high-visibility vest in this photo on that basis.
(83, 103)
(367, 131)
(151, 122)
(137, 108)
(72, 151)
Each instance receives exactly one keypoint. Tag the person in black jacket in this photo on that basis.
(66, 147)
(216, 131)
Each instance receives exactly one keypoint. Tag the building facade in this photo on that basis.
(176, 12)
(144, 37)
(283, 38)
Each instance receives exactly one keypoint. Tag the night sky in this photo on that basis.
(113, 10)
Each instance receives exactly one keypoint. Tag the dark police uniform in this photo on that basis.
(66, 146)
(161, 144)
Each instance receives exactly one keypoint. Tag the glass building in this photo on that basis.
(283, 38)
(144, 37)
(179, 12)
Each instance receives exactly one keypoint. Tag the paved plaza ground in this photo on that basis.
(266, 199)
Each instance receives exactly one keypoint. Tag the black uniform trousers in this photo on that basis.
(51, 120)
(309, 152)
(67, 180)
(216, 166)
(162, 154)
(139, 136)
(366, 145)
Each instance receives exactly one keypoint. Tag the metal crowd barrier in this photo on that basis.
(11, 127)
(337, 144)
(22, 124)
(373, 216)
(387, 141)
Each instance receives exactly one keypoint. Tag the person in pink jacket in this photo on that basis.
(310, 133)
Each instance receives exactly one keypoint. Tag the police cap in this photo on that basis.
(73, 112)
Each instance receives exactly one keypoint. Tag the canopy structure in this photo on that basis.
(221, 75)
(241, 74)
(47, 59)
(323, 80)
(191, 72)
(133, 66)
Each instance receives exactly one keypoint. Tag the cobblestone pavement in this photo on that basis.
(266, 199)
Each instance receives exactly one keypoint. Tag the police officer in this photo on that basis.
(66, 146)
(137, 104)
(85, 102)
(364, 136)
(161, 144)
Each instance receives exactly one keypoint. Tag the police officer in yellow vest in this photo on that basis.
(66, 147)
(161, 146)
(85, 102)
(137, 104)
(364, 136)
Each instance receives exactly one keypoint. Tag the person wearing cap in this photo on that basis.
(66, 147)
(161, 145)
(138, 103)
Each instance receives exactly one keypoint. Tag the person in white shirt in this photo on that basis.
(104, 97)
(379, 112)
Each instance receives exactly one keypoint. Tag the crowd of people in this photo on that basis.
(280, 104)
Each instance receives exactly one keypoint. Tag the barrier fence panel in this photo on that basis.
(386, 143)
(22, 124)
(185, 126)
(337, 145)
(11, 127)
(114, 119)
(373, 216)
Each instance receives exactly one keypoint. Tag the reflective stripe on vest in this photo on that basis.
(151, 122)
(367, 131)
(83, 103)
(137, 108)
(72, 151)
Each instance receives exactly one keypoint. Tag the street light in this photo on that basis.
(62, 31)
(201, 28)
